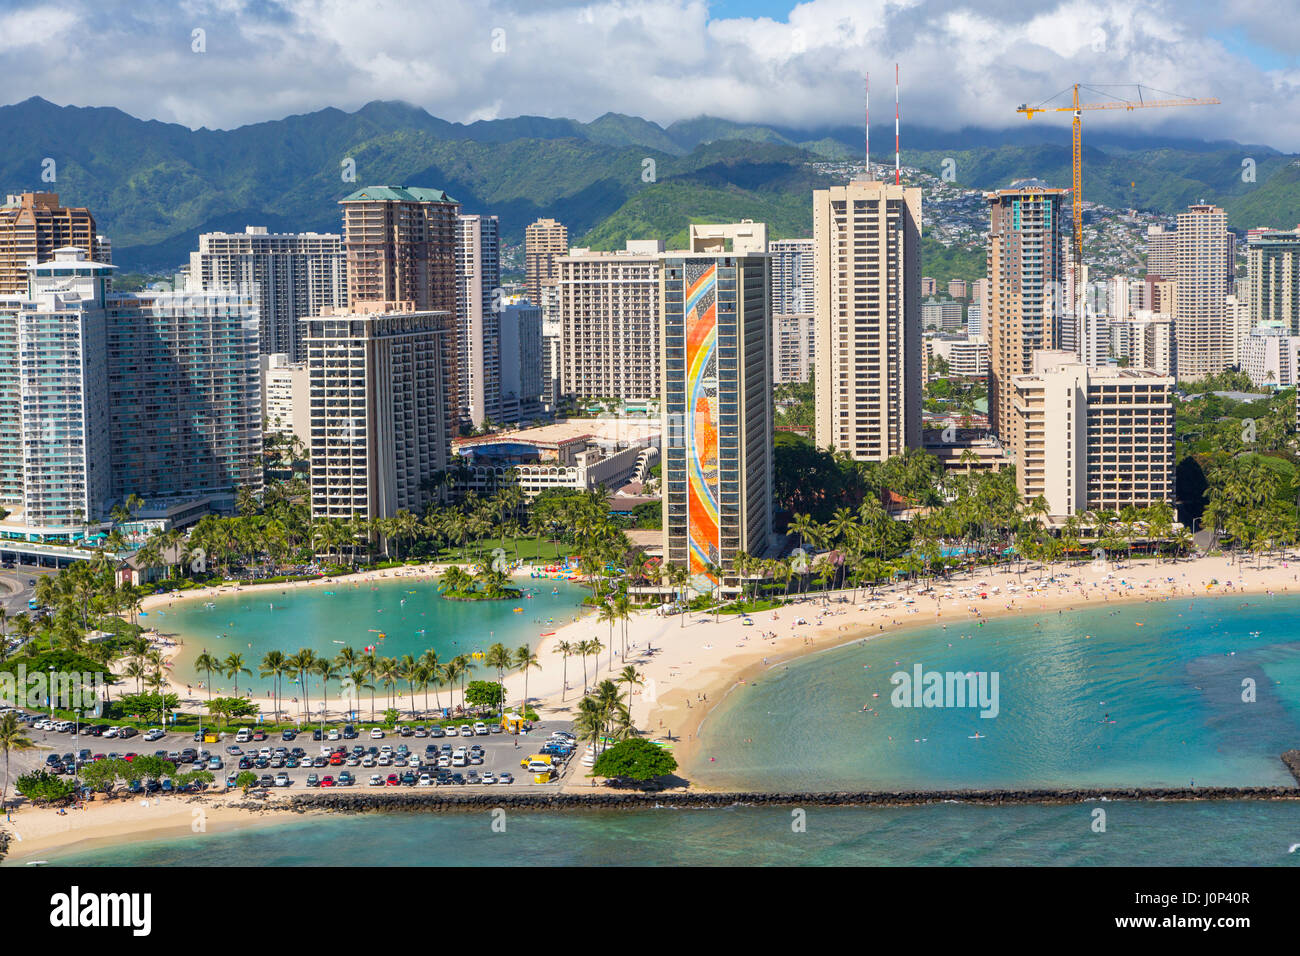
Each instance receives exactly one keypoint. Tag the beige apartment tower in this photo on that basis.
(32, 226)
(1202, 329)
(1093, 439)
(1026, 291)
(609, 322)
(544, 240)
(867, 318)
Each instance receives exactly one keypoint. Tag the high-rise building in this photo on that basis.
(522, 383)
(478, 314)
(1145, 341)
(106, 395)
(288, 276)
(1027, 289)
(32, 227)
(184, 396)
(957, 288)
(929, 286)
(400, 247)
(974, 319)
(717, 400)
(867, 311)
(544, 240)
(1271, 356)
(609, 322)
(1162, 253)
(1093, 439)
(792, 309)
(1273, 273)
(1203, 272)
(286, 397)
(379, 433)
(56, 473)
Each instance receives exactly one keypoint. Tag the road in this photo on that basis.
(14, 589)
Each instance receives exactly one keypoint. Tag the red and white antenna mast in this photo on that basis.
(898, 178)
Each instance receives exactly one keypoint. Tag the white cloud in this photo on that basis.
(964, 62)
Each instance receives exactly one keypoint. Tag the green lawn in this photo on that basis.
(530, 549)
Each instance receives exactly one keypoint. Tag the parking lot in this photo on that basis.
(398, 759)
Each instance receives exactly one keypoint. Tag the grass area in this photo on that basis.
(529, 549)
(750, 607)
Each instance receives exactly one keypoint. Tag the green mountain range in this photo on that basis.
(155, 186)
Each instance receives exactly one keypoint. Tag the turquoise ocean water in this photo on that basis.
(328, 616)
(1217, 834)
(1131, 694)
(1086, 698)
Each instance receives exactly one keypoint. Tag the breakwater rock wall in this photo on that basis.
(1292, 760)
(434, 802)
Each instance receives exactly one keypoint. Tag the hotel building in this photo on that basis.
(544, 240)
(1093, 439)
(609, 322)
(717, 400)
(288, 276)
(867, 308)
(1026, 291)
(478, 306)
(377, 377)
(32, 227)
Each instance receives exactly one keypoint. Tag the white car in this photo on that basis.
(466, 730)
(282, 779)
(451, 731)
(425, 780)
(333, 735)
(444, 761)
(153, 733)
(376, 734)
(459, 758)
(376, 780)
(481, 729)
(488, 777)
(368, 760)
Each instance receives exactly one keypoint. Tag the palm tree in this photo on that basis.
(207, 663)
(274, 665)
(629, 676)
(327, 671)
(302, 664)
(11, 738)
(430, 660)
(564, 648)
(526, 660)
(233, 666)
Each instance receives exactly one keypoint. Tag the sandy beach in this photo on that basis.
(689, 666)
(36, 831)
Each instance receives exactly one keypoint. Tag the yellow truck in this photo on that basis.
(537, 763)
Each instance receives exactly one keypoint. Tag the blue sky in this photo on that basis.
(963, 62)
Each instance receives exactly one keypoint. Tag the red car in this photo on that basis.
(259, 735)
(128, 757)
(327, 781)
(336, 759)
(393, 781)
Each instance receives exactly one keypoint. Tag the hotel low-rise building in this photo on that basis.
(1093, 439)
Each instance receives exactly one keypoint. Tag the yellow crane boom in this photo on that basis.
(1077, 109)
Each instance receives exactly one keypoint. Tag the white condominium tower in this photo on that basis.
(287, 275)
(380, 434)
(792, 309)
(478, 316)
(609, 322)
(867, 314)
(1203, 334)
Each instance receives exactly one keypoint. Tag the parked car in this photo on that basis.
(376, 734)
(154, 733)
(282, 779)
(376, 780)
(313, 780)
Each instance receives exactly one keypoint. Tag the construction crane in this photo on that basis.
(1077, 108)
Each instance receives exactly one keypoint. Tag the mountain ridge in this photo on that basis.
(154, 186)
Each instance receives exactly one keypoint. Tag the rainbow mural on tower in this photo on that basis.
(701, 305)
